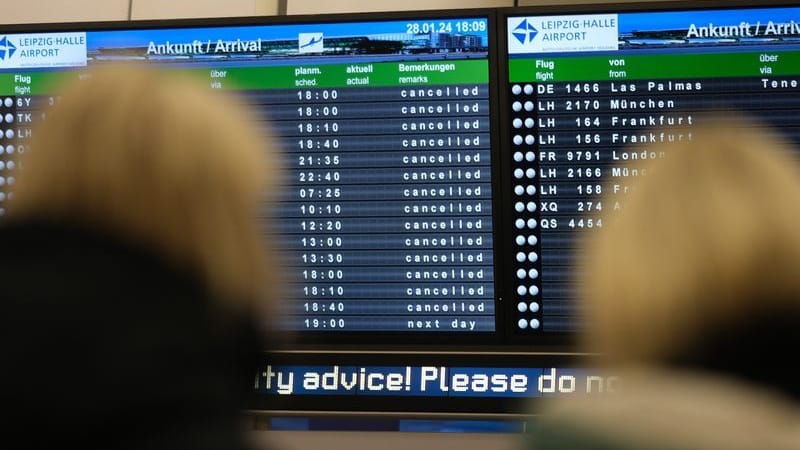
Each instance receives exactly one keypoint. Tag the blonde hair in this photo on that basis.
(707, 237)
(162, 161)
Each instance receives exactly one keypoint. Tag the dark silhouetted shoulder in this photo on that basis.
(114, 347)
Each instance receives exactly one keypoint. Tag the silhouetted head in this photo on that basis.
(162, 161)
(703, 253)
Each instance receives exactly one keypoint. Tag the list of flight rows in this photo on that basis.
(585, 135)
(386, 215)
(575, 139)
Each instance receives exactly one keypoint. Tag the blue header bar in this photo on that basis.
(451, 37)
(282, 40)
(609, 32)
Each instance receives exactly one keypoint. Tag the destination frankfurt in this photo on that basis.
(651, 121)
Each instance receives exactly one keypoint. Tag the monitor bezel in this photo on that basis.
(503, 349)
(336, 339)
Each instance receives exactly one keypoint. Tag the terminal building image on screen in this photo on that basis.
(439, 168)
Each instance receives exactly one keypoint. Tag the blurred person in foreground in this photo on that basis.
(692, 297)
(132, 269)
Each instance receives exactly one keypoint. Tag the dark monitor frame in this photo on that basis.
(499, 350)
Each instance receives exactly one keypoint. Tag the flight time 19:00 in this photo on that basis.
(461, 26)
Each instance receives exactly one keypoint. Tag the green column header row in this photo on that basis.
(306, 76)
(654, 66)
(437, 72)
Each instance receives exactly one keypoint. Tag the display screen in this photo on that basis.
(583, 89)
(385, 223)
(439, 168)
(389, 209)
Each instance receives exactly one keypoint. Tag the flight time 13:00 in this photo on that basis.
(461, 26)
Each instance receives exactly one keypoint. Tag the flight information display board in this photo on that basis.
(582, 88)
(439, 167)
(386, 218)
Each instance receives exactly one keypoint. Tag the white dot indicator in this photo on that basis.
(519, 173)
(516, 106)
(517, 123)
(3, 183)
(521, 290)
(3, 211)
(3, 166)
(9, 102)
(530, 190)
(10, 149)
(9, 118)
(518, 140)
(516, 89)
(531, 206)
(528, 106)
(530, 173)
(520, 240)
(533, 257)
(532, 223)
(528, 89)
(532, 240)
(519, 206)
(533, 273)
(522, 324)
(520, 223)
(529, 139)
(533, 290)
(9, 134)
(535, 324)
(522, 307)
(518, 156)
(534, 307)
(521, 274)
(529, 123)
(530, 156)
(11, 180)
(2, 196)
(520, 256)
(519, 190)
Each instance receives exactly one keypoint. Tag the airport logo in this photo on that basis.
(7, 48)
(554, 34)
(42, 50)
(525, 32)
(310, 43)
